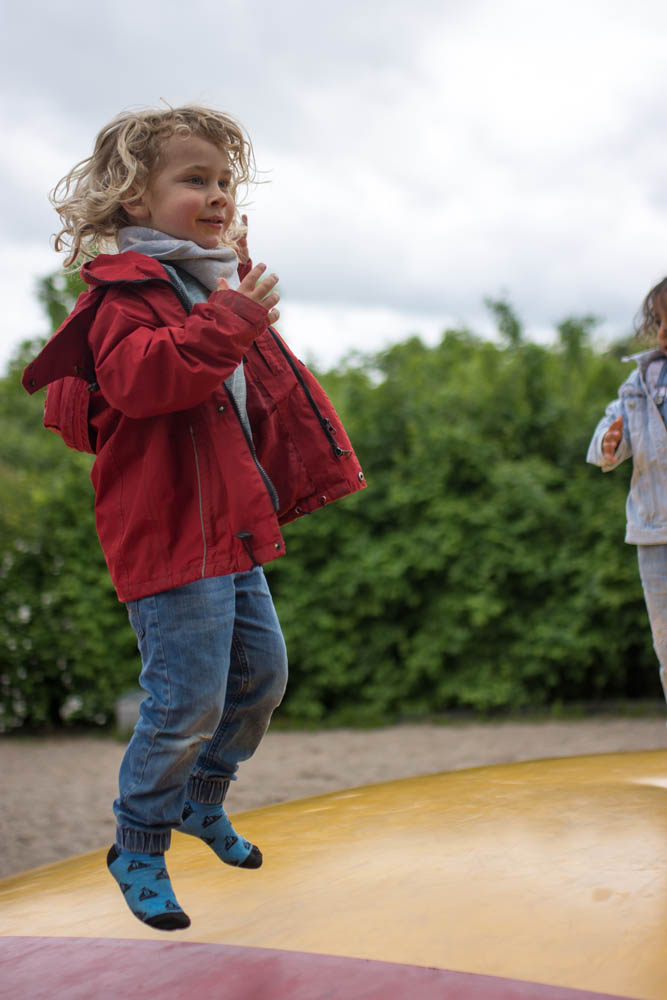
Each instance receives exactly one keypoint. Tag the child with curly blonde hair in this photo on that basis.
(208, 435)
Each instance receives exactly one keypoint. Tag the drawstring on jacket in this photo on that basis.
(245, 537)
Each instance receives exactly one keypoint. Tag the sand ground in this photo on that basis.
(57, 792)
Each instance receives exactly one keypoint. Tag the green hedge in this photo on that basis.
(484, 567)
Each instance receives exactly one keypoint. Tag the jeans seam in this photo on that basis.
(231, 707)
(163, 723)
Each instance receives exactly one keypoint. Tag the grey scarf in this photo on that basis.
(204, 265)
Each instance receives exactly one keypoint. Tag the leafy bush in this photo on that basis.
(484, 568)
(66, 649)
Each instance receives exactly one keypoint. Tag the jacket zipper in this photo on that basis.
(271, 490)
(201, 501)
(325, 424)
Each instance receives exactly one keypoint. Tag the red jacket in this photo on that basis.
(179, 493)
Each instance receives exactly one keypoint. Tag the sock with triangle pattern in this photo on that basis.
(210, 823)
(145, 884)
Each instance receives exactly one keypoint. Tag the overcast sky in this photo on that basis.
(421, 155)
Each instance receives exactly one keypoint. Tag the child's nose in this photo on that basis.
(216, 194)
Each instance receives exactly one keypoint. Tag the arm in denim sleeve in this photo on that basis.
(624, 449)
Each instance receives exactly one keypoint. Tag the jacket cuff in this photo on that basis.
(242, 306)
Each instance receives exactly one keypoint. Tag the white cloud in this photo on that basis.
(325, 335)
(22, 316)
(420, 157)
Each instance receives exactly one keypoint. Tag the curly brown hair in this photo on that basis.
(647, 320)
(127, 150)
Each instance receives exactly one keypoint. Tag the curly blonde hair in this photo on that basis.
(127, 150)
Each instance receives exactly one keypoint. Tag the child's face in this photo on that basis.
(188, 194)
(661, 316)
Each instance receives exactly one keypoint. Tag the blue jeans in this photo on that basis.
(653, 574)
(214, 669)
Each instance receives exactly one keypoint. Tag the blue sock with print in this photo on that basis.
(210, 823)
(145, 884)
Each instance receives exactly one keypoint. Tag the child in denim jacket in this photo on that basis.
(634, 425)
(208, 435)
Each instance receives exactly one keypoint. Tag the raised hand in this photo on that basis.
(260, 289)
(241, 242)
(611, 440)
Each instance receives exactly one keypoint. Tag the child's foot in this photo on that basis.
(145, 884)
(210, 823)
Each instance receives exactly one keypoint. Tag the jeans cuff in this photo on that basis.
(211, 791)
(141, 841)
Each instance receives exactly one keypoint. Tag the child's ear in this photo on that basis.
(136, 208)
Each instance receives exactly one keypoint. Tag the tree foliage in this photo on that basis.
(65, 647)
(484, 568)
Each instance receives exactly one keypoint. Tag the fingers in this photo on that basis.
(259, 288)
(253, 277)
(222, 285)
(612, 438)
(242, 241)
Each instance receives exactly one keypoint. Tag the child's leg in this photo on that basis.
(184, 638)
(653, 574)
(256, 684)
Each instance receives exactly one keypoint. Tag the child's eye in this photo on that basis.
(224, 184)
(195, 179)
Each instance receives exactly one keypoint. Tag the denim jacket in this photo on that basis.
(645, 439)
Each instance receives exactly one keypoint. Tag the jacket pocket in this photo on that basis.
(66, 413)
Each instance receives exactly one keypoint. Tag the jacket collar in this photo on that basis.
(644, 358)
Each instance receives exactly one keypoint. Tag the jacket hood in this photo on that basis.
(108, 268)
(67, 352)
